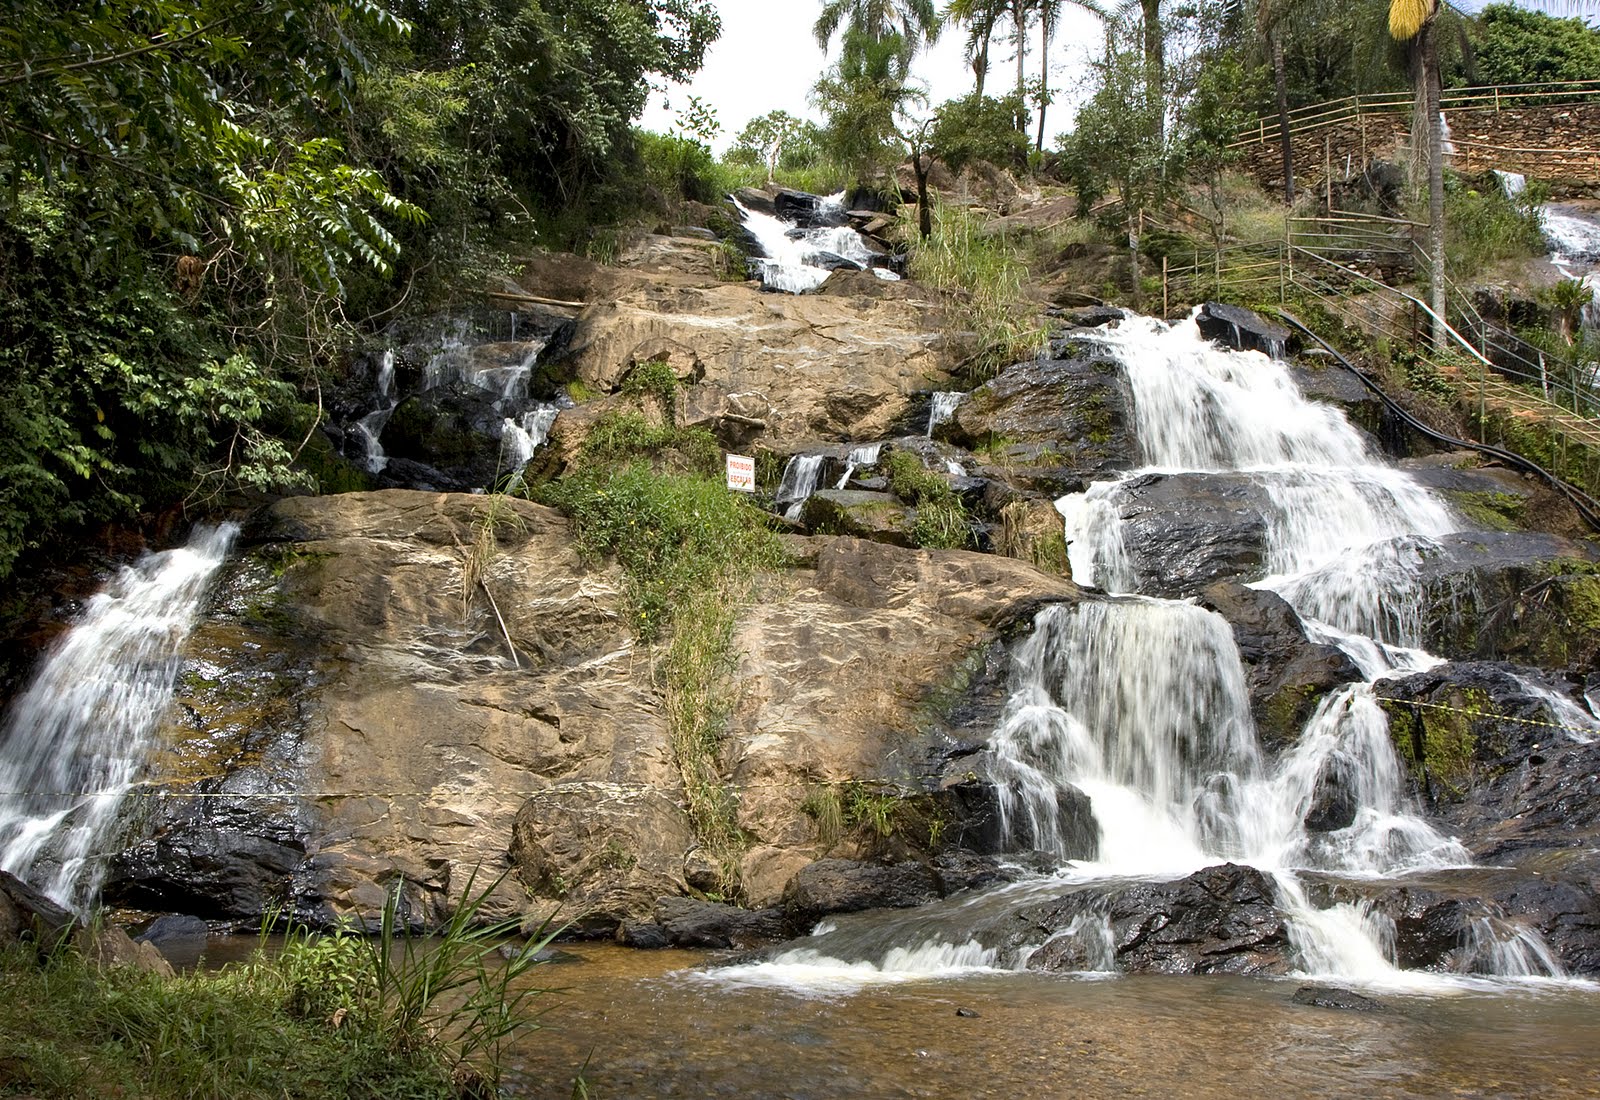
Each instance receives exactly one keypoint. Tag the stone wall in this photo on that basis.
(1559, 143)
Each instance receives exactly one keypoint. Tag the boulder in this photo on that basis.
(25, 911)
(880, 517)
(1242, 329)
(1222, 920)
(825, 367)
(1332, 996)
(1184, 531)
(690, 923)
(110, 948)
(847, 886)
(1071, 413)
(1286, 672)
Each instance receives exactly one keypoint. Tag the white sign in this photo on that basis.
(742, 473)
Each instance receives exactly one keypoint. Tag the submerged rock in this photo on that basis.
(1332, 996)
(687, 922)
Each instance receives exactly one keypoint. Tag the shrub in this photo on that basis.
(980, 128)
(1519, 46)
(941, 520)
(1484, 225)
(985, 280)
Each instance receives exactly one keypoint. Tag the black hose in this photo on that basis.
(1586, 505)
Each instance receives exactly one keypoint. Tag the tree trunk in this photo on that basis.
(1431, 94)
(1155, 61)
(1045, 30)
(1281, 79)
(980, 64)
(921, 164)
(1019, 15)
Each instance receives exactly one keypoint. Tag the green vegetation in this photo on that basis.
(654, 377)
(979, 128)
(1496, 511)
(200, 203)
(653, 499)
(1484, 226)
(941, 520)
(985, 281)
(334, 1016)
(1517, 46)
(1438, 742)
(870, 814)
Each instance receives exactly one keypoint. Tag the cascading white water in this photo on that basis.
(801, 475)
(522, 435)
(942, 408)
(1345, 527)
(1344, 537)
(866, 455)
(371, 426)
(790, 257)
(73, 743)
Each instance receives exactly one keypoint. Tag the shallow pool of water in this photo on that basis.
(649, 1024)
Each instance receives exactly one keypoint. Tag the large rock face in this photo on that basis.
(818, 368)
(357, 721)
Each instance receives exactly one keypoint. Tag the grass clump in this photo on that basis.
(653, 377)
(653, 499)
(985, 280)
(941, 520)
(330, 1016)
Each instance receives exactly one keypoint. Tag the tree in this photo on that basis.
(980, 17)
(1517, 46)
(763, 139)
(869, 24)
(862, 97)
(1412, 22)
(1049, 20)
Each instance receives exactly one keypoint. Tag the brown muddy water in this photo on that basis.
(658, 1024)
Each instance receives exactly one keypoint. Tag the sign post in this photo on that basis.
(741, 473)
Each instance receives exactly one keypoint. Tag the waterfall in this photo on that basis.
(789, 255)
(72, 745)
(524, 434)
(371, 426)
(942, 408)
(801, 475)
(866, 455)
(1140, 705)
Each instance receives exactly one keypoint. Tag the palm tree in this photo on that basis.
(1049, 20)
(1412, 21)
(980, 17)
(914, 22)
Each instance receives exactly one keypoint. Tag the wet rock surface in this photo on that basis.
(1286, 672)
(1222, 920)
(1185, 531)
(1332, 996)
(1070, 413)
(1242, 329)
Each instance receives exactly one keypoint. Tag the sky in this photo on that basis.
(767, 60)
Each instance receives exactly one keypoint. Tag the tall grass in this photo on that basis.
(653, 500)
(985, 281)
(329, 1016)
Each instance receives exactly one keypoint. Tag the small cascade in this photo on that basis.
(859, 457)
(371, 426)
(453, 361)
(1141, 705)
(796, 260)
(73, 744)
(942, 408)
(801, 476)
(522, 435)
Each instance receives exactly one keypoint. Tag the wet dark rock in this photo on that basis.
(452, 429)
(1242, 329)
(1221, 920)
(808, 211)
(832, 261)
(847, 886)
(1332, 996)
(1286, 672)
(1068, 413)
(967, 1013)
(175, 928)
(959, 870)
(1091, 316)
(1184, 531)
(753, 198)
(1334, 802)
(1326, 381)
(1515, 595)
(27, 911)
(687, 922)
